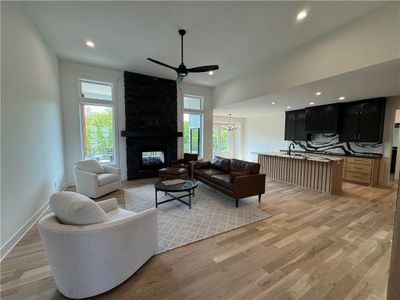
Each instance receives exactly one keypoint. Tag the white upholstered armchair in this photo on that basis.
(93, 247)
(95, 180)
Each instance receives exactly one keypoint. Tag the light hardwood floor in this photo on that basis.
(315, 246)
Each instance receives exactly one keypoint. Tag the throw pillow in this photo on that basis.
(236, 174)
(221, 164)
(90, 165)
(76, 209)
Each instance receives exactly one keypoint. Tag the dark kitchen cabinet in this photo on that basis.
(322, 119)
(295, 126)
(362, 121)
(349, 122)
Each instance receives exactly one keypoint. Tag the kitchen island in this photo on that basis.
(311, 171)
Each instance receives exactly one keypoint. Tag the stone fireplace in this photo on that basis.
(151, 124)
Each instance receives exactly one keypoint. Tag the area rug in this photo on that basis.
(212, 213)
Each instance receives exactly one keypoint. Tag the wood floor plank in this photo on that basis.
(315, 246)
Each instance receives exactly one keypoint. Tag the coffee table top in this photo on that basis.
(180, 187)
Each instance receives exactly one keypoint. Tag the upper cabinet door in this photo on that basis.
(322, 119)
(300, 133)
(349, 122)
(290, 125)
(371, 118)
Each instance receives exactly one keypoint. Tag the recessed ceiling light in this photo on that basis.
(318, 94)
(273, 102)
(210, 72)
(311, 103)
(90, 44)
(288, 107)
(301, 15)
(342, 98)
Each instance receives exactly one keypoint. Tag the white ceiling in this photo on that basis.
(236, 35)
(381, 80)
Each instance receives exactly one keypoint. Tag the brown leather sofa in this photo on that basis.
(236, 178)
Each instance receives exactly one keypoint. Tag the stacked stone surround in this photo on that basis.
(151, 121)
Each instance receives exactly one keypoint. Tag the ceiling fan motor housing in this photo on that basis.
(182, 71)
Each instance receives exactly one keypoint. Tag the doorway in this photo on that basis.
(395, 159)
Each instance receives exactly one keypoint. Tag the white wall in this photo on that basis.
(371, 39)
(31, 125)
(70, 74)
(263, 134)
(204, 92)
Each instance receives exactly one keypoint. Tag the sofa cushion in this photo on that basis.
(90, 165)
(206, 173)
(76, 209)
(107, 178)
(235, 174)
(222, 180)
(221, 164)
(202, 164)
(241, 165)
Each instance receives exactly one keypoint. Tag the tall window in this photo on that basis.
(97, 121)
(220, 141)
(193, 124)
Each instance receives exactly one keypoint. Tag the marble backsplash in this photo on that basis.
(330, 143)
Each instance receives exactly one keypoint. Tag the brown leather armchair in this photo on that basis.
(185, 162)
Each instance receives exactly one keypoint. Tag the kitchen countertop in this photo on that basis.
(337, 154)
(302, 156)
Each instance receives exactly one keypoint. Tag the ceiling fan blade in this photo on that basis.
(179, 79)
(203, 69)
(161, 63)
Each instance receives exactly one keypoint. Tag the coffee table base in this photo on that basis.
(179, 198)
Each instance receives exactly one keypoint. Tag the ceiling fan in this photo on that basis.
(181, 70)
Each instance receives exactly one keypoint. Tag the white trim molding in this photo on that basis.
(13, 241)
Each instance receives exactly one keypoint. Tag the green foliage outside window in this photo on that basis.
(99, 143)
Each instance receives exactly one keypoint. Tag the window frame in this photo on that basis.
(218, 127)
(98, 102)
(199, 112)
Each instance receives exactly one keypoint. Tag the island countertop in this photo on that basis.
(317, 172)
(303, 156)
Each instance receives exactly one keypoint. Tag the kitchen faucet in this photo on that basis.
(290, 148)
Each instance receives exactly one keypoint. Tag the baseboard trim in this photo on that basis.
(13, 241)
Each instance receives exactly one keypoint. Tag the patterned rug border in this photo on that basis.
(130, 191)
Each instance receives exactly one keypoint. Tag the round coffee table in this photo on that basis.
(186, 186)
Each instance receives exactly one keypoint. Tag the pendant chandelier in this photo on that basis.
(230, 126)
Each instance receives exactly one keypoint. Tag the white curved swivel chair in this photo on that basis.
(105, 247)
(95, 180)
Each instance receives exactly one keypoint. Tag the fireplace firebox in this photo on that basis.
(152, 159)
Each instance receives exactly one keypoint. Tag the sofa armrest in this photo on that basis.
(202, 164)
(84, 179)
(113, 170)
(177, 161)
(249, 185)
(108, 205)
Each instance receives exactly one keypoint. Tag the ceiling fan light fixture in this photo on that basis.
(182, 71)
